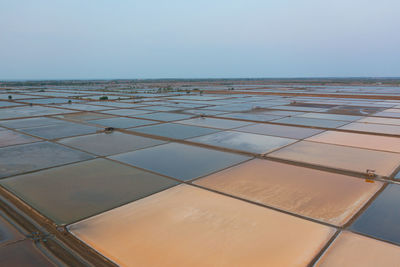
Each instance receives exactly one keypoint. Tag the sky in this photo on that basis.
(130, 39)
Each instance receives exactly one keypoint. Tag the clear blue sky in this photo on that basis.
(54, 39)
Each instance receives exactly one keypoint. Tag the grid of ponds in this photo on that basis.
(199, 179)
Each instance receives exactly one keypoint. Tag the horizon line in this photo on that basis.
(203, 78)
